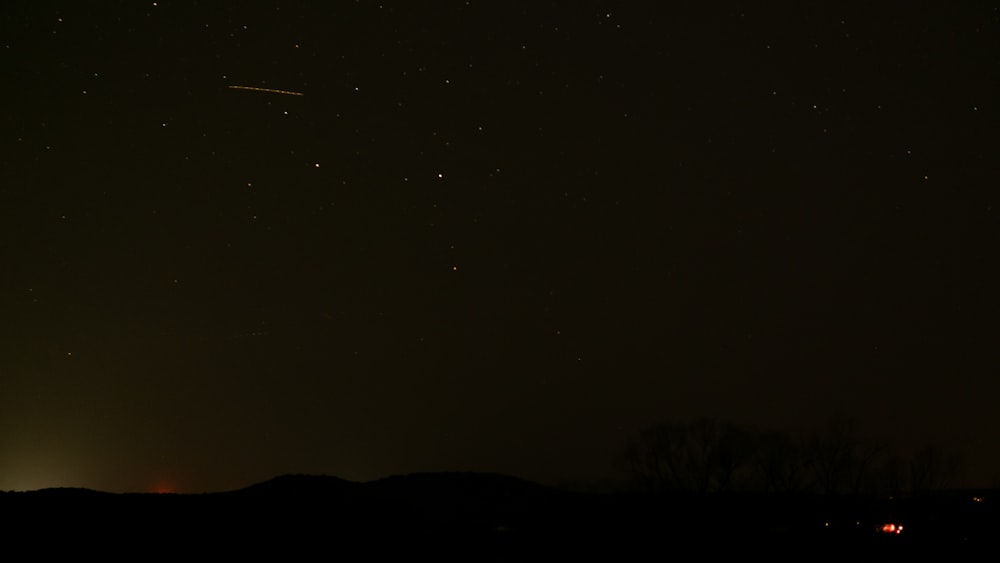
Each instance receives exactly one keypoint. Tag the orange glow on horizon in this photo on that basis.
(162, 488)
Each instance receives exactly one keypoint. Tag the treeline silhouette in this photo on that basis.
(710, 455)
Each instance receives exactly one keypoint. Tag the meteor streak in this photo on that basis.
(271, 90)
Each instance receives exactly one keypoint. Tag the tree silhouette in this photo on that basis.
(654, 460)
(703, 456)
(710, 455)
(780, 463)
(933, 467)
(840, 459)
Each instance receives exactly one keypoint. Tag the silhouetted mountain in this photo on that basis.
(300, 485)
(475, 516)
(67, 493)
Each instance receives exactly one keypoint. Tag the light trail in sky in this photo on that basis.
(269, 90)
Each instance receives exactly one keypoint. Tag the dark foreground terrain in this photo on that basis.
(483, 517)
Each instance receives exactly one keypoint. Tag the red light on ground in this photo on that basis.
(892, 529)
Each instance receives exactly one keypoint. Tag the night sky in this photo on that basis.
(496, 236)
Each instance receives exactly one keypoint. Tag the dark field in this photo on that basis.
(484, 517)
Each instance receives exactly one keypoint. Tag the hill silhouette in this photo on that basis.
(476, 516)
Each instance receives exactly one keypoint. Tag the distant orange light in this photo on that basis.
(892, 529)
(163, 489)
